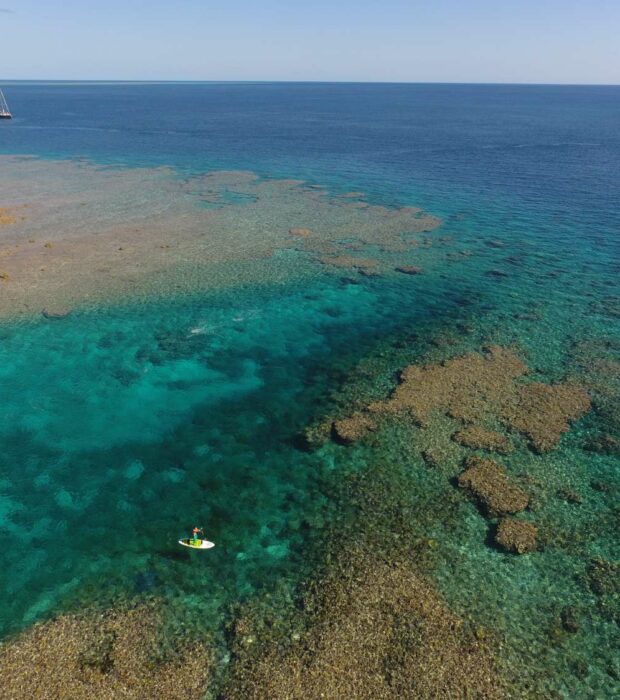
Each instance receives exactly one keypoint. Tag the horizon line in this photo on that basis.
(138, 81)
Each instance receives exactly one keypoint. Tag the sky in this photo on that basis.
(505, 41)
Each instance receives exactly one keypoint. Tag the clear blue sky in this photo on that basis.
(563, 41)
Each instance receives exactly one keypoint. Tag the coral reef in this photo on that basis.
(604, 580)
(467, 387)
(349, 430)
(482, 439)
(478, 387)
(488, 482)
(516, 536)
(147, 232)
(108, 655)
(543, 412)
(378, 630)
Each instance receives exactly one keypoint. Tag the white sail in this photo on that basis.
(4, 107)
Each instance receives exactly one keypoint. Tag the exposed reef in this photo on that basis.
(469, 388)
(7, 216)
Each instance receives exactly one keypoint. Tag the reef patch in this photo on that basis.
(108, 654)
(517, 536)
(488, 482)
(379, 629)
(484, 387)
(478, 438)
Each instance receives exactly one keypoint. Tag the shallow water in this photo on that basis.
(125, 424)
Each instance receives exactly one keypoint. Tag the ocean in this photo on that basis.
(183, 396)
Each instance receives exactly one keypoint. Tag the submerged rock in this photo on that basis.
(348, 261)
(570, 496)
(488, 482)
(482, 439)
(604, 577)
(300, 232)
(497, 274)
(517, 536)
(433, 458)
(409, 269)
(56, 312)
(570, 619)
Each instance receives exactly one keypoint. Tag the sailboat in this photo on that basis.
(4, 108)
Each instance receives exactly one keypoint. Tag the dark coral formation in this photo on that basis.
(570, 496)
(489, 484)
(482, 439)
(569, 618)
(349, 261)
(603, 444)
(409, 269)
(517, 536)
(604, 581)
(100, 655)
(379, 630)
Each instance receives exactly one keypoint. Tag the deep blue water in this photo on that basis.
(553, 146)
(119, 425)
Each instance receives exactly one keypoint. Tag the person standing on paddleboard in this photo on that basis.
(195, 532)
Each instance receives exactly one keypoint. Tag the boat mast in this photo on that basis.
(4, 107)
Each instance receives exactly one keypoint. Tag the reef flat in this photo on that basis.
(74, 234)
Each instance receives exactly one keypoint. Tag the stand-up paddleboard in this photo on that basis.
(200, 544)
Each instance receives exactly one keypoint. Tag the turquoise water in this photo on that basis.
(124, 425)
